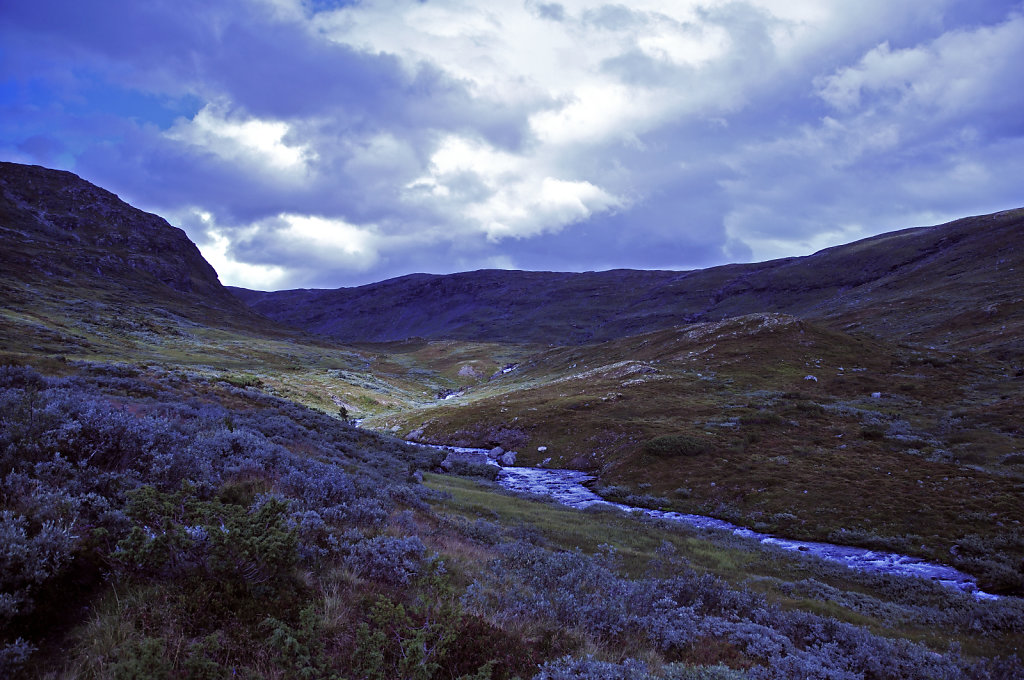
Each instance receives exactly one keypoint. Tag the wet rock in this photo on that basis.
(473, 457)
(508, 459)
(495, 453)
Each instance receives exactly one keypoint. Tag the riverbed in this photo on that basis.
(567, 487)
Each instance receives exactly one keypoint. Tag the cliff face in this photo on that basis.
(58, 230)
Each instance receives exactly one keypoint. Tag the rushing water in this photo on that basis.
(566, 486)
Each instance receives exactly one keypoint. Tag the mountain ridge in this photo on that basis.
(870, 285)
(59, 227)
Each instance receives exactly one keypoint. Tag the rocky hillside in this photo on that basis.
(58, 230)
(952, 284)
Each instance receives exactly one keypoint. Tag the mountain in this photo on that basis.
(58, 229)
(82, 272)
(952, 284)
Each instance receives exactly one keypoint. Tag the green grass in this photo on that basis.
(637, 540)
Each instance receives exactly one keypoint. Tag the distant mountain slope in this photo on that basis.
(61, 234)
(958, 284)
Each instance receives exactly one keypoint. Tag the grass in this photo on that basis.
(774, 573)
(915, 470)
(918, 469)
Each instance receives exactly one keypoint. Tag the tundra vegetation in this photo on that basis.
(158, 523)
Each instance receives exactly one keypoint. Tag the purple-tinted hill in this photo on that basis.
(63, 237)
(954, 285)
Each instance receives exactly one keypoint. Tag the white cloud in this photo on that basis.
(242, 140)
(956, 74)
(758, 229)
(331, 240)
(527, 209)
(910, 134)
(216, 248)
(503, 194)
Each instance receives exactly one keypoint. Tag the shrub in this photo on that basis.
(763, 418)
(386, 559)
(587, 668)
(20, 377)
(872, 433)
(247, 553)
(13, 656)
(242, 380)
(143, 660)
(28, 558)
(467, 469)
(1012, 459)
(298, 650)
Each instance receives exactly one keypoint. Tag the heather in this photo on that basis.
(157, 523)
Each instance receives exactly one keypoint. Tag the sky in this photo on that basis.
(327, 143)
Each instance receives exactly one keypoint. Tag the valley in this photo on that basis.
(868, 395)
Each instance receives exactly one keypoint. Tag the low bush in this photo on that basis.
(243, 380)
(467, 469)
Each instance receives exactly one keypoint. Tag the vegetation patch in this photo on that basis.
(675, 445)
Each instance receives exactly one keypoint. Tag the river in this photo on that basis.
(567, 487)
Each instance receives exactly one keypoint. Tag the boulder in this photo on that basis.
(507, 459)
(474, 457)
(415, 435)
(495, 453)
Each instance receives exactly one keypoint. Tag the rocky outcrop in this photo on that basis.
(467, 457)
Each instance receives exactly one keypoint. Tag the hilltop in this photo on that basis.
(60, 230)
(952, 285)
(82, 273)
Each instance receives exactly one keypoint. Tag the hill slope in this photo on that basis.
(952, 283)
(84, 273)
(59, 230)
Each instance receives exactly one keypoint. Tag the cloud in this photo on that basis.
(911, 136)
(328, 143)
(961, 74)
(242, 140)
(503, 194)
